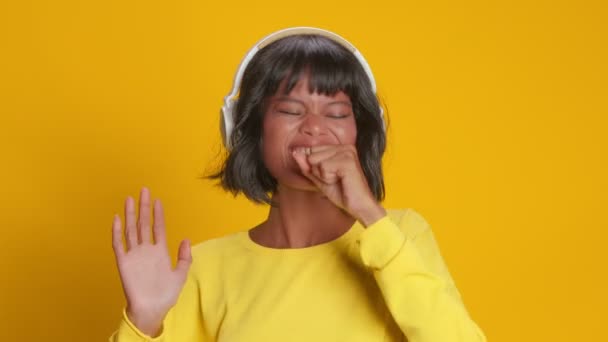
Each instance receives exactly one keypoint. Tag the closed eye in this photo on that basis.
(288, 112)
(339, 116)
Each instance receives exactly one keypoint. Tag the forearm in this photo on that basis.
(421, 302)
(415, 283)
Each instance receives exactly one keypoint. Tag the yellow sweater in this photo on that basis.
(376, 284)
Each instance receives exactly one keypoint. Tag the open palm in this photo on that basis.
(150, 283)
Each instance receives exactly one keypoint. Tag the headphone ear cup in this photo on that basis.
(227, 121)
(223, 126)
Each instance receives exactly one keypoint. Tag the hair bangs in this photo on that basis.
(329, 66)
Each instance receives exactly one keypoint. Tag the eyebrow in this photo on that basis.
(291, 99)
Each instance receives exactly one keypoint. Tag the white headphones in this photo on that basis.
(227, 112)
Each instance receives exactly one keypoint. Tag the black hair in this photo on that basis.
(332, 68)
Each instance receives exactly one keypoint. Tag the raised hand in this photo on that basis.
(150, 283)
(337, 173)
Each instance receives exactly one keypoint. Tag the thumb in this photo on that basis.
(301, 160)
(184, 257)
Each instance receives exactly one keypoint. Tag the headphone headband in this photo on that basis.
(227, 111)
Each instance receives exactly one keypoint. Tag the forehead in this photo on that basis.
(303, 87)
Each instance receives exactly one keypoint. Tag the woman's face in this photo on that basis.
(302, 119)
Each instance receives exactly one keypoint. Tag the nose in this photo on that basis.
(313, 125)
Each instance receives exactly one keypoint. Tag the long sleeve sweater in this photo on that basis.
(386, 282)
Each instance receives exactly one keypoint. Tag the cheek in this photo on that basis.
(274, 133)
(268, 144)
(274, 138)
(346, 132)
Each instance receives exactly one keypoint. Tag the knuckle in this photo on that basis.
(347, 155)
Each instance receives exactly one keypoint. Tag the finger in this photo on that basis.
(131, 230)
(117, 244)
(184, 257)
(159, 223)
(300, 159)
(143, 223)
(316, 171)
(313, 174)
(319, 148)
(326, 172)
(319, 154)
(306, 169)
(337, 147)
(317, 157)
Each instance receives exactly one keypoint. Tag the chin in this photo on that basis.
(298, 182)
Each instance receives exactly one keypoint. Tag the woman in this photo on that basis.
(306, 136)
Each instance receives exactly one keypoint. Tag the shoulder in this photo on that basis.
(215, 254)
(215, 259)
(216, 246)
(410, 221)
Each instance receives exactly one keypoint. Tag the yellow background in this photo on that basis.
(497, 136)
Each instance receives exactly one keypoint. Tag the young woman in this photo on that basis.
(306, 136)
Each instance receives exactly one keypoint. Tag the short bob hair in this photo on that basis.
(331, 68)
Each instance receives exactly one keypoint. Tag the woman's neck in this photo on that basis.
(301, 219)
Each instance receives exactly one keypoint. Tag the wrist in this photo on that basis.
(370, 214)
(151, 325)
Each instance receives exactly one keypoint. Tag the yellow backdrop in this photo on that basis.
(497, 136)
